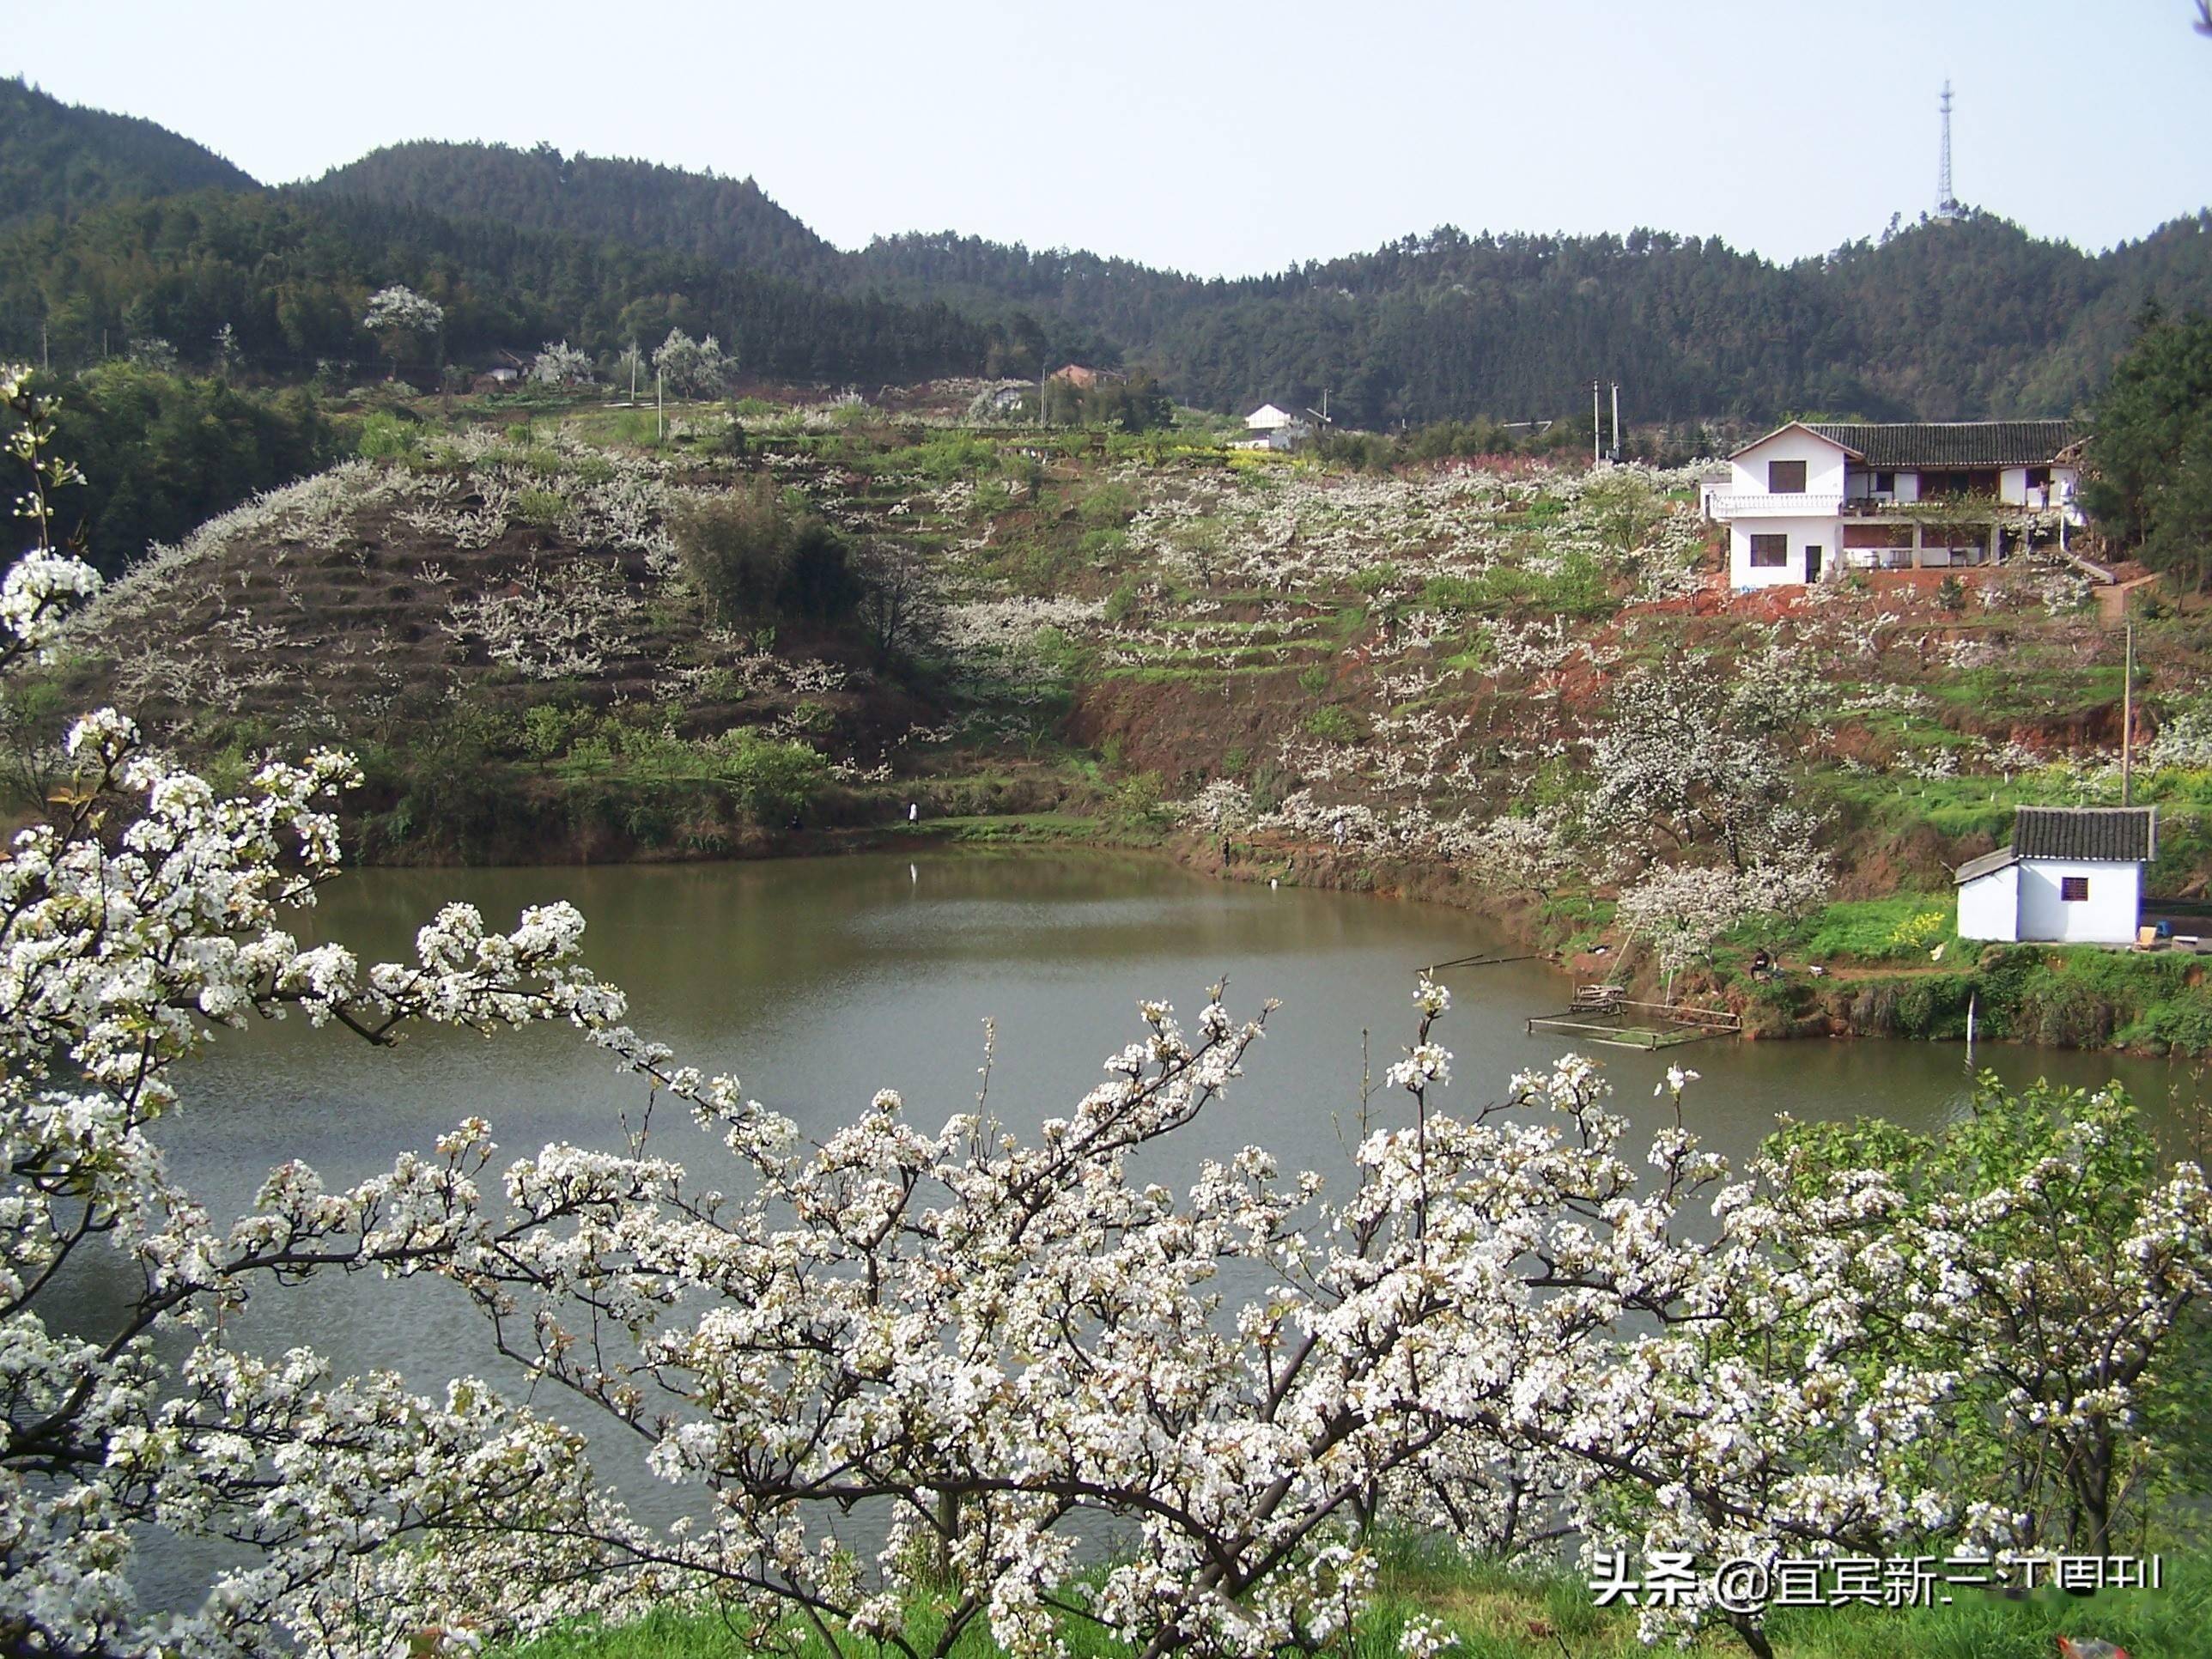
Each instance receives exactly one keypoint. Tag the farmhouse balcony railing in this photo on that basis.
(2038, 512)
(1949, 507)
(1766, 504)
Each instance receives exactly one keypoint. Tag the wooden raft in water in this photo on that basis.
(1601, 1015)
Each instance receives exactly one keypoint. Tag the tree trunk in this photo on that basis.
(1753, 1637)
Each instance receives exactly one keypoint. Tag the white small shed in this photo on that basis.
(1273, 427)
(2073, 875)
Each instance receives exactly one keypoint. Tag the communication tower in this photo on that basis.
(1946, 204)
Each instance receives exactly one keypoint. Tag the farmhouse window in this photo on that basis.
(1770, 552)
(1884, 483)
(1785, 477)
(2073, 890)
(2039, 478)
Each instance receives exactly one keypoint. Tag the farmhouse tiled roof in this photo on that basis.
(1951, 443)
(2115, 834)
(2088, 835)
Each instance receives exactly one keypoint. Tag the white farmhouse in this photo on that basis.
(1272, 427)
(1813, 500)
(2072, 875)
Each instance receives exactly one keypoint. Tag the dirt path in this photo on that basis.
(2112, 602)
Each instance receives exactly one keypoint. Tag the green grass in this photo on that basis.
(2012, 690)
(1498, 1613)
(1154, 676)
(1003, 827)
(1578, 588)
(627, 429)
(1955, 806)
(1898, 928)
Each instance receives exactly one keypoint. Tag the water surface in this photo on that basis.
(818, 982)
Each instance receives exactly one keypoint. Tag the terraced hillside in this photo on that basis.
(1521, 687)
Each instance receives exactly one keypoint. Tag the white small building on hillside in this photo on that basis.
(2072, 875)
(1811, 501)
(1272, 427)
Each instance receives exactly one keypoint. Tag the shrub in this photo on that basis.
(1122, 601)
(1104, 548)
(1108, 507)
(1453, 593)
(770, 780)
(549, 729)
(749, 553)
(385, 437)
(1934, 1007)
(1333, 723)
(2064, 1011)
(1271, 783)
(540, 507)
(810, 716)
(1138, 797)
(2183, 1024)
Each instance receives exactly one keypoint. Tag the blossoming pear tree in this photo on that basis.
(560, 364)
(150, 913)
(403, 321)
(906, 1373)
(694, 368)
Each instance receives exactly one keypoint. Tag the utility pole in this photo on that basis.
(659, 403)
(633, 374)
(2128, 724)
(46, 356)
(1616, 420)
(1597, 425)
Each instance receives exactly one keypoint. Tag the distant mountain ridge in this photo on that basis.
(1936, 321)
(62, 160)
(642, 203)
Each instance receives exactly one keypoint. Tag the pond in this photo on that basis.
(818, 982)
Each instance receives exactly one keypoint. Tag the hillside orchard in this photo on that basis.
(1506, 1322)
(1508, 683)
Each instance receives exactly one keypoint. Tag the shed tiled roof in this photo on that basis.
(2110, 834)
(1988, 862)
(1951, 443)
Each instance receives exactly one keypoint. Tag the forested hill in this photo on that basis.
(291, 276)
(59, 160)
(728, 222)
(1934, 320)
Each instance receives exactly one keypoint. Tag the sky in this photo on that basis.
(1216, 138)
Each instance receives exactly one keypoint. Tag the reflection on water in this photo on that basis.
(818, 982)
